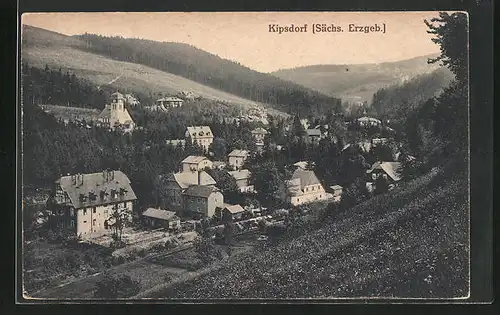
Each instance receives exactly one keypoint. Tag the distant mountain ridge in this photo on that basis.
(153, 66)
(357, 82)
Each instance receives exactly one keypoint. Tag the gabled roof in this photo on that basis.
(95, 183)
(160, 214)
(199, 131)
(335, 187)
(192, 159)
(233, 209)
(392, 169)
(307, 178)
(240, 174)
(186, 179)
(239, 153)
(200, 191)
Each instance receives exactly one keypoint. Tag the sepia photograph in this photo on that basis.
(208, 156)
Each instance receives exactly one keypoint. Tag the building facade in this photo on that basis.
(201, 135)
(304, 187)
(159, 218)
(237, 158)
(87, 203)
(202, 200)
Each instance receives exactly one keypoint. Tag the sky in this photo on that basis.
(245, 36)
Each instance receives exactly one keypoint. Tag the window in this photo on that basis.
(84, 221)
(72, 212)
(93, 210)
(72, 223)
(85, 211)
(105, 211)
(124, 204)
(93, 223)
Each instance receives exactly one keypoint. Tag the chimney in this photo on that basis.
(199, 177)
(81, 179)
(73, 179)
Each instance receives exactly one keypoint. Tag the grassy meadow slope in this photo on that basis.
(357, 82)
(41, 47)
(397, 102)
(409, 243)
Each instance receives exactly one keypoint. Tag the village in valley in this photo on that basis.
(131, 191)
(101, 208)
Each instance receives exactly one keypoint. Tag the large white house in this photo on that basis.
(202, 135)
(304, 187)
(85, 203)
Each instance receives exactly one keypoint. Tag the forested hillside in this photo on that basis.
(397, 101)
(49, 86)
(208, 69)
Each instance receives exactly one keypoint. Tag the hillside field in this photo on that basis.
(134, 77)
(409, 243)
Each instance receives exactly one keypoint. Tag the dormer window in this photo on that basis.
(201, 133)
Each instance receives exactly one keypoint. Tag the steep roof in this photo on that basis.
(160, 214)
(186, 179)
(193, 159)
(200, 191)
(335, 187)
(199, 131)
(392, 169)
(307, 178)
(233, 209)
(240, 174)
(95, 183)
(176, 142)
(239, 153)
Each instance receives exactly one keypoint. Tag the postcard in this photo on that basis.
(245, 156)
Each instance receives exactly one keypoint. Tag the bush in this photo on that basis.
(120, 286)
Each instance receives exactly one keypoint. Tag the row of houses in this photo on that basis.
(88, 204)
(204, 137)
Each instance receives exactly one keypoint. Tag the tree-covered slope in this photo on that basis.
(397, 101)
